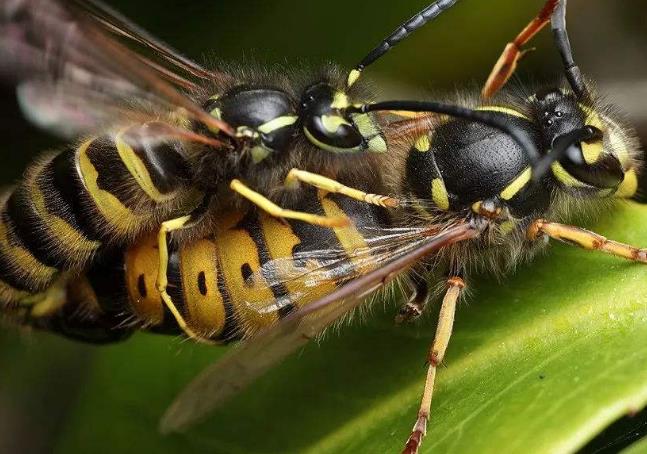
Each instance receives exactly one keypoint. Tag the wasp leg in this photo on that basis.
(436, 353)
(507, 62)
(585, 239)
(162, 280)
(296, 176)
(417, 302)
(274, 210)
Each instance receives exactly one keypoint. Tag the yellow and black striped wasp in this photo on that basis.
(165, 145)
(164, 142)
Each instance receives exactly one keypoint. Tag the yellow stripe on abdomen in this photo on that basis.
(114, 212)
(238, 257)
(204, 303)
(141, 267)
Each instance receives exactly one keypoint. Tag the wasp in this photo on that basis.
(164, 143)
(478, 185)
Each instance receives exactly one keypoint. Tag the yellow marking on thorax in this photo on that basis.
(517, 184)
(423, 143)
(439, 194)
(629, 185)
(503, 110)
(236, 249)
(138, 170)
(277, 123)
(199, 271)
(141, 267)
(114, 212)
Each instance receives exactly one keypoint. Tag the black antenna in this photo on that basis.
(492, 119)
(573, 73)
(401, 33)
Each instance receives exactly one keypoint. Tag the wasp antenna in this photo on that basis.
(573, 73)
(400, 34)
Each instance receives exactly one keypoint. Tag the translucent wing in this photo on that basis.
(251, 359)
(162, 54)
(307, 273)
(75, 74)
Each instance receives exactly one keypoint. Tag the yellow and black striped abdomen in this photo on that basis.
(72, 204)
(209, 279)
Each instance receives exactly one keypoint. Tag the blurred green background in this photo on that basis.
(41, 376)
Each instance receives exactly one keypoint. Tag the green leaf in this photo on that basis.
(541, 362)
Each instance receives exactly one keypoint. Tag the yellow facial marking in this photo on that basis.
(566, 178)
(340, 100)
(439, 194)
(592, 151)
(325, 146)
(503, 110)
(423, 143)
(333, 122)
(629, 185)
(517, 184)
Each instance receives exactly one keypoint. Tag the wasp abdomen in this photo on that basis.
(228, 284)
(71, 205)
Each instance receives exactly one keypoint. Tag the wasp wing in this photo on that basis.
(161, 53)
(251, 359)
(75, 76)
(308, 273)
